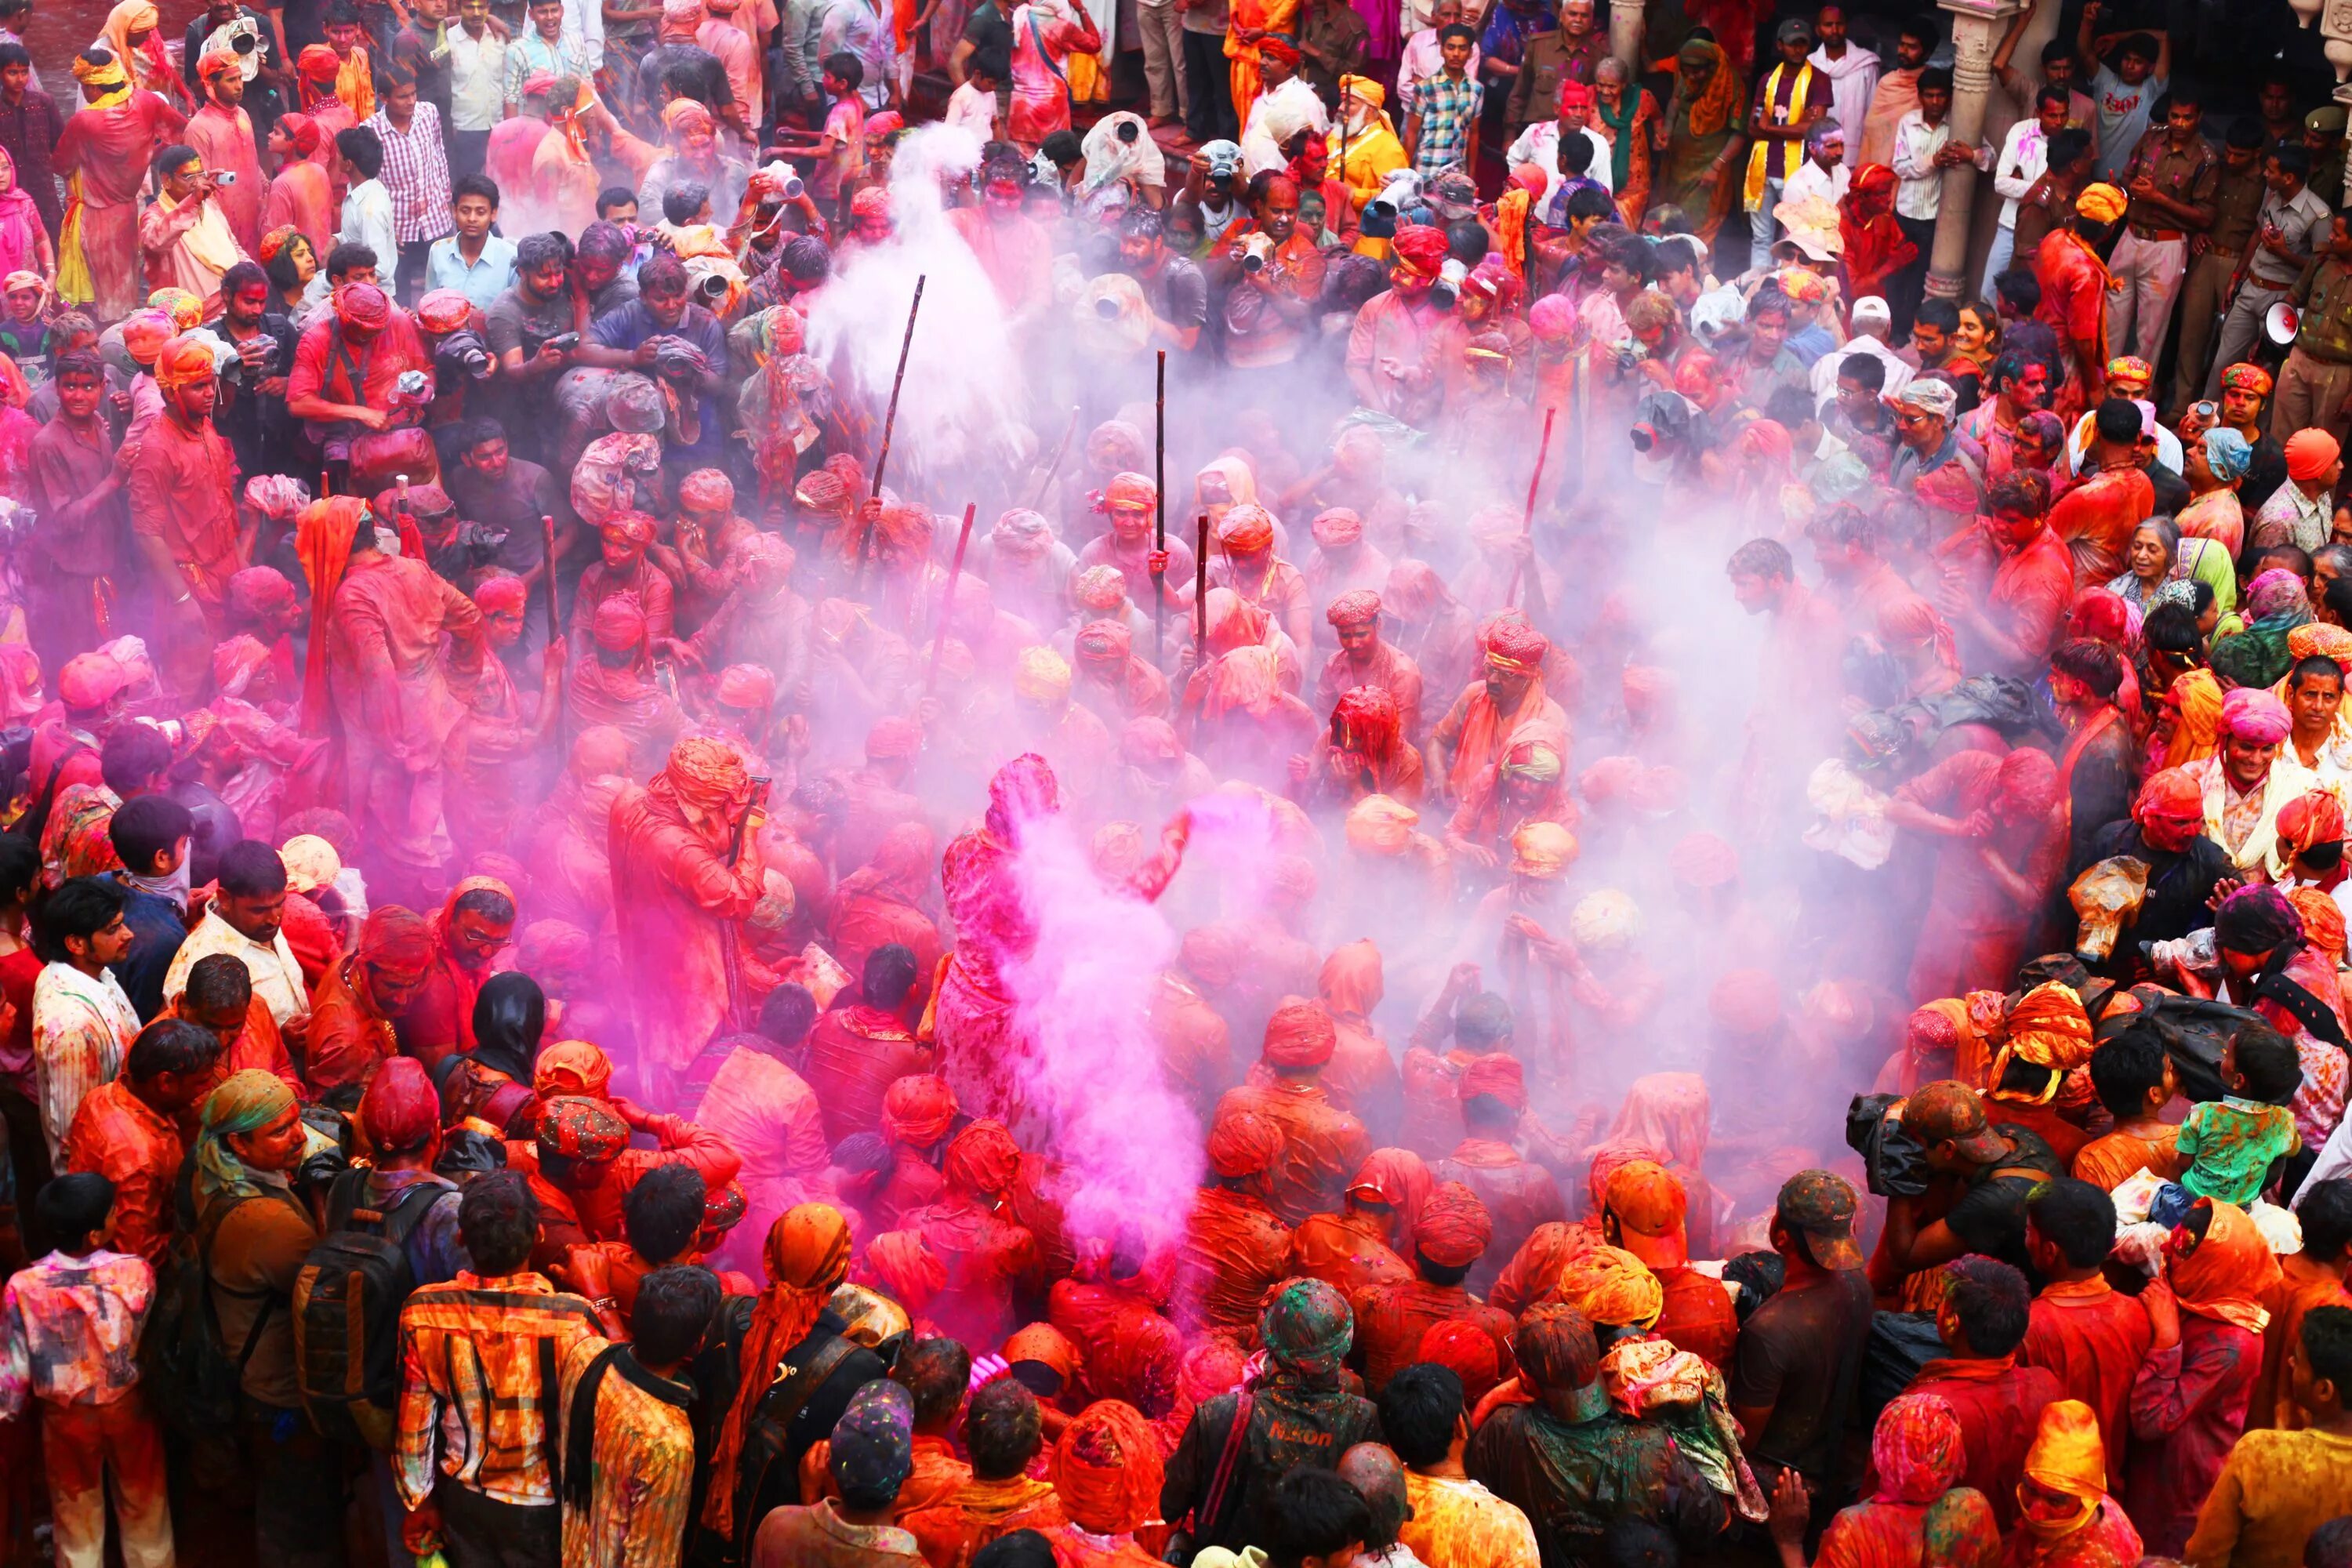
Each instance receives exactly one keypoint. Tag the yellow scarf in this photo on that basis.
(356, 84)
(1759, 154)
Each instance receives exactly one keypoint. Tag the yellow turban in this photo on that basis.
(1041, 675)
(2101, 203)
(1542, 849)
(1364, 90)
(1611, 1286)
(112, 77)
(2068, 1457)
(1381, 824)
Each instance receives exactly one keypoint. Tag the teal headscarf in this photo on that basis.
(247, 1102)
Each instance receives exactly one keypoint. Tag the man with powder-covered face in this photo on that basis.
(1016, 254)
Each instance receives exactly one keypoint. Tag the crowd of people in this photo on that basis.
(682, 886)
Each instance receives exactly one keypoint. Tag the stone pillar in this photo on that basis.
(1625, 34)
(2335, 29)
(1977, 27)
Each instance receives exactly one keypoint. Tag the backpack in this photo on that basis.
(347, 1301)
(186, 1365)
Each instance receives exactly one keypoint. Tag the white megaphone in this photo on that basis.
(2280, 322)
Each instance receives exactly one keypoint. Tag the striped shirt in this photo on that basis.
(473, 1389)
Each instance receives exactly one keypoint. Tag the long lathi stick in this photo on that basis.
(1528, 522)
(890, 423)
(947, 602)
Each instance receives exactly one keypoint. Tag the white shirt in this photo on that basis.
(1825, 369)
(367, 220)
(1854, 78)
(583, 33)
(1920, 196)
(2024, 156)
(973, 110)
(1539, 144)
(277, 978)
(1812, 180)
(82, 1028)
(477, 86)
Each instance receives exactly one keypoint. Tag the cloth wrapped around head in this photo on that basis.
(1308, 1328)
(246, 1102)
(572, 1067)
(2101, 203)
(1915, 1449)
(2047, 1028)
(747, 688)
(444, 310)
(1041, 676)
(2310, 453)
(1611, 1287)
(1543, 850)
(401, 1110)
(2311, 818)
(918, 1111)
(1244, 1143)
(2226, 1273)
(2246, 377)
(2256, 919)
(1467, 1352)
(1454, 1227)
(364, 305)
(579, 1127)
(1746, 1001)
(1511, 644)
(618, 624)
(396, 940)
(806, 1255)
(1299, 1035)
(1245, 530)
(706, 776)
(1107, 1469)
(983, 1160)
(2067, 1457)
(1356, 607)
(1422, 245)
(2256, 717)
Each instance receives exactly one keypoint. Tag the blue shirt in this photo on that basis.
(482, 281)
(628, 328)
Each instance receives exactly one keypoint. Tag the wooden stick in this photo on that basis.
(1528, 523)
(1159, 512)
(547, 537)
(947, 602)
(889, 424)
(1201, 598)
(1046, 481)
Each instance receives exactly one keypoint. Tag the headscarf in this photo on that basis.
(1711, 111)
(2195, 699)
(2226, 1274)
(396, 939)
(1872, 242)
(807, 1254)
(509, 1014)
(1299, 1035)
(918, 1111)
(572, 1067)
(1915, 1449)
(983, 1160)
(399, 1110)
(1611, 1287)
(2047, 1028)
(2315, 817)
(1107, 1469)
(1467, 1351)
(2323, 919)
(246, 1102)
(1401, 1179)
(111, 76)
(128, 17)
(2310, 453)
(2101, 203)
(2228, 454)
(2067, 1457)
(1308, 1328)
(2256, 717)
(579, 1127)
(1242, 1143)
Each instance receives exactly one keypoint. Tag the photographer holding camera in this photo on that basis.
(666, 335)
(252, 412)
(1954, 1182)
(184, 239)
(1271, 275)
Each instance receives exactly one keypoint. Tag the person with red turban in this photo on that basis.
(1365, 1243)
(623, 567)
(1323, 1146)
(1106, 1472)
(1187, 1016)
(918, 1112)
(354, 1004)
(2165, 832)
(985, 1254)
(1112, 1306)
(686, 860)
(615, 684)
(475, 925)
(1505, 703)
(348, 364)
(1403, 342)
(1235, 1249)
(1365, 658)
(1518, 1195)
(1113, 682)
(2003, 845)
(1363, 753)
(377, 620)
(1361, 1078)
(1449, 1237)
(184, 508)
(1130, 500)
(105, 154)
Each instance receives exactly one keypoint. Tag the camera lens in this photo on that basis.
(1643, 438)
(243, 43)
(1108, 309)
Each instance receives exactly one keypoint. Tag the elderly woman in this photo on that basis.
(2215, 466)
(2148, 564)
(1701, 136)
(1625, 113)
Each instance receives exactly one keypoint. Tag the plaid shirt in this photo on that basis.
(69, 1330)
(1448, 109)
(472, 1389)
(416, 172)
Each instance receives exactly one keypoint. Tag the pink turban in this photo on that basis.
(2256, 717)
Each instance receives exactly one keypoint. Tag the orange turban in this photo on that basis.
(983, 1160)
(395, 939)
(1242, 1145)
(1247, 529)
(1107, 1469)
(2323, 921)
(2068, 1457)
(1609, 1286)
(1468, 1352)
(573, 1067)
(806, 1255)
(183, 362)
(2047, 1028)
(2225, 1274)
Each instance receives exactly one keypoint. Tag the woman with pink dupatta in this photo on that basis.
(24, 241)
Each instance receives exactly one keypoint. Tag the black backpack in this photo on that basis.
(185, 1366)
(346, 1302)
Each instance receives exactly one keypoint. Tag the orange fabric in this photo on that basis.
(2226, 1274)
(807, 1254)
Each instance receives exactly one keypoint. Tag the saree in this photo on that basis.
(1701, 125)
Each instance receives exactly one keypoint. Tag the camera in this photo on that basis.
(1106, 308)
(562, 342)
(1631, 353)
(463, 351)
(223, 177)
(1448, 287)
(1127, 130)
(712, 288)
(1256, 251)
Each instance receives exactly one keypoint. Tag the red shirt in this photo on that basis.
(182, 491)
(1233, 1251)
(116, 1135)
(1323, 1147)
(1999, 1404)
(1519, 1195)
(2092, 1337)
(1391, 1320)
(320, 370)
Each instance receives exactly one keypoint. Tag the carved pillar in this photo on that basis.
(2336, 27)
(1625, 33)
(1977, 27)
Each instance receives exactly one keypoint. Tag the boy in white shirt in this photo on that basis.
(972, 105)
(2024, 157)
(367, 205)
